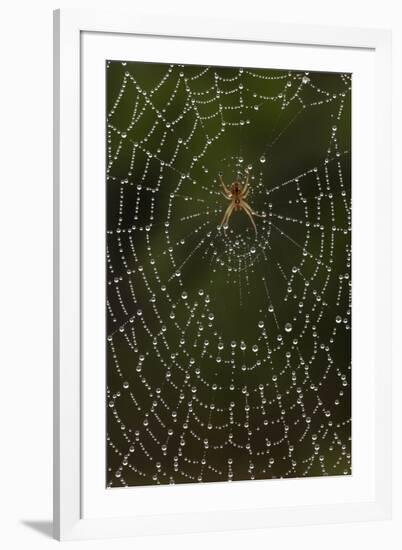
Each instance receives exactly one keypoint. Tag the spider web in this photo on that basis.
(228, 353)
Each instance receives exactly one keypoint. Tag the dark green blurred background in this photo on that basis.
(282, 410)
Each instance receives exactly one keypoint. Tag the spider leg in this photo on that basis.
(245, 189)
(226, 196)
(249, 212)
(225, 223)
(246, 206)
(227, 214)
(225, 189)
(252, 220)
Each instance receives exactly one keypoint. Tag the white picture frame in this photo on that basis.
(82, 39)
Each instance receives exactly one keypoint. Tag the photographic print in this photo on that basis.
(228, 272)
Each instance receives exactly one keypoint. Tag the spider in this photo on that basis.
(236, 194)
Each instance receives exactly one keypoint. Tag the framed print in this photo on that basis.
(222, 275)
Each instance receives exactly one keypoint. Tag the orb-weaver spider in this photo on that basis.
(236, 194)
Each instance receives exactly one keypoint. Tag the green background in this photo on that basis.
(295, 141)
